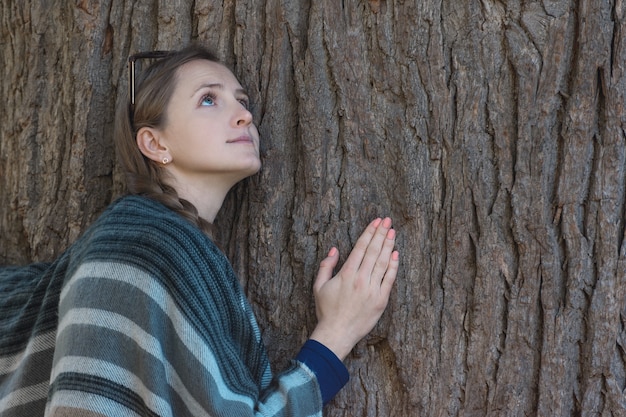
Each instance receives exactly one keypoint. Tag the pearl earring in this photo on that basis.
(165, 161)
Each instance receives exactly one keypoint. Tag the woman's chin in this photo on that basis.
(250, 171)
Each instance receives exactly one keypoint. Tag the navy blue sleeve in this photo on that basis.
(331, 373)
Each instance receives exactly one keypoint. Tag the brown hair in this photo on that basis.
(153, 89)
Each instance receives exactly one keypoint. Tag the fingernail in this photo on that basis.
(387, 222)
(391, 234)
(395, 255)
(332, 251)
(376, 222)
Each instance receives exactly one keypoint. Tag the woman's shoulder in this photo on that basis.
(135, 226)
(135, 214)
(132, 206)
(138, 237)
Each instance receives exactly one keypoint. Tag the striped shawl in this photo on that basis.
(142, 316)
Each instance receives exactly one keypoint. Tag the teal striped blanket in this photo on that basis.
(142, 316)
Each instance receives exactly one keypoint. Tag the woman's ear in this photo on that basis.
(151, 145)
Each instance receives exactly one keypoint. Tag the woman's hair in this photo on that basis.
(153, 90)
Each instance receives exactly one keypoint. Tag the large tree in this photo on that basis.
(493, 133)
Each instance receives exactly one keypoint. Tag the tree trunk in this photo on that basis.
(493, 133)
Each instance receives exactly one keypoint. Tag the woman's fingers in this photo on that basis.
(355, 258)
(327, 267)
(383, 261)
(369, 258)
(378, 251)
(390, 274)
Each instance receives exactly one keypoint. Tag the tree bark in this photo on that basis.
(493, 133)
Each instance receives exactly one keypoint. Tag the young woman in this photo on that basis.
(143, 315)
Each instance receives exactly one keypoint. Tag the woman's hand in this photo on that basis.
(349, 304)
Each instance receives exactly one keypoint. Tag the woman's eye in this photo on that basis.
(207, 101)
(245, 103)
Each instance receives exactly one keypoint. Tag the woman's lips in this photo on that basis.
(241, 139)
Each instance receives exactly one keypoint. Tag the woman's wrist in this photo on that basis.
(336, 342)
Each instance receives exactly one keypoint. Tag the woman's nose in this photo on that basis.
(243, 116)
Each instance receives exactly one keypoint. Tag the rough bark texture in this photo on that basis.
(494, 133)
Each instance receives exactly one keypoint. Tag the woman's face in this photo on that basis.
(209, 130)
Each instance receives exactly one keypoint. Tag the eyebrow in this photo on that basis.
(219, 86)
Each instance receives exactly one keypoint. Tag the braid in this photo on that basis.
(167, 195)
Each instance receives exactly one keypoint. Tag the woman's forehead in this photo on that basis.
(194, 74)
